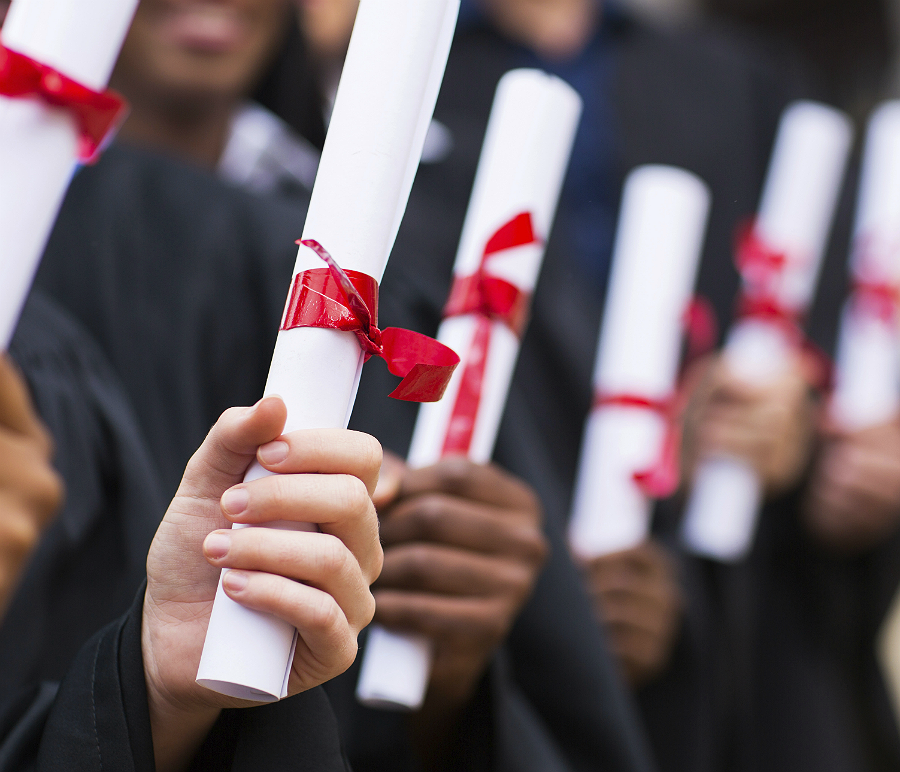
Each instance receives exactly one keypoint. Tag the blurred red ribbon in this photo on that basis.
(334, 299)
(761, 266)
(96, 113)
(878, 299)
(490, 299)
(660, 480)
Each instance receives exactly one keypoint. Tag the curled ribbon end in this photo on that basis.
(425, 365)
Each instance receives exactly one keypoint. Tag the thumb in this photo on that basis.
(230, 447)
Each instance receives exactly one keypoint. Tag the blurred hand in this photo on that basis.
(317, 581)
(636, 594)
(770, 426)
(852, 501)
(31, 492)
(463, 549)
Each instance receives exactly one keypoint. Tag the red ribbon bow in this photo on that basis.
(660, 480)
(96, 113)
(760, 267)
(491, 299)
(334, 299)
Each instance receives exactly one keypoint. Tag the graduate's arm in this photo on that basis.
(31, 491)
(852, 499)
(317, 581)
(463, 549)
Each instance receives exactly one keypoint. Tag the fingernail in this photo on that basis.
(235, 580)
(217, 544)
(273, 452)
(235, 500)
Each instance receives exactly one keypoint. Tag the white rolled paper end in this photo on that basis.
(523, 163)
(657, 251)
(795, 216)
(38, 143)
(384, 104)
(396, 676)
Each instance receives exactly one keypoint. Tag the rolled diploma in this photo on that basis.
(523, 162)
(384, 104)
(795, 217)
(867, 373)
(658, 245)
(38, 143)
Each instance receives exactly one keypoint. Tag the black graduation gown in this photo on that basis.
(181, 280)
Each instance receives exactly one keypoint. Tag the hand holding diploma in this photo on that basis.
(771, 425)
(385, 100)
(318, 582)
(853, 498)
(637, 595)
(520, 174)
(779, 257)
(463, 548)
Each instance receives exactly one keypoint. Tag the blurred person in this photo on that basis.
(188, 70)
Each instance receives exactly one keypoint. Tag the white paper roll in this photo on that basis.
(867, 374)
(523, 163)
(795, 218)
(384, 104)
(658, 244)
(38, 143)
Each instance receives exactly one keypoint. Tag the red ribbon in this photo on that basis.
(490, 299)
(334, 299)
(96, 113)
(878, 299)
(761, 267)
(660, 480)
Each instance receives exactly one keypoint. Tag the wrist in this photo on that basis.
(179, 720)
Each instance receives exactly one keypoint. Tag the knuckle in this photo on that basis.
(454, 474)
(324, 614)
(334, 557)
(429, 514)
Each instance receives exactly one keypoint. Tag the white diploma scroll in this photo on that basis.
(384, 104)
(867, 373)
(523, 163)
(794, 220)
(38, 143)
(658, 245)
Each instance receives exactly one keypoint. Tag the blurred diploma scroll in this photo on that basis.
(660, 236)
(867, 373)
(39, 142)
(779, 282)
(523, 162)
(388, 89)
